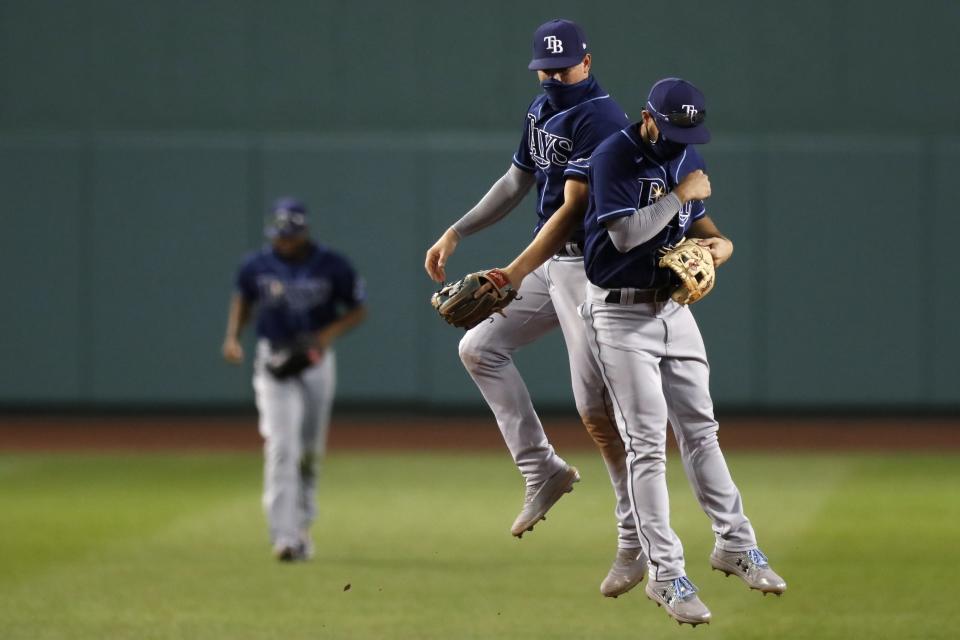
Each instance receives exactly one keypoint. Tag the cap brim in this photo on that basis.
(555, 63)
(273, 232)
(684, 135)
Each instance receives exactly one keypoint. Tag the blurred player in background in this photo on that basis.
(306, 296)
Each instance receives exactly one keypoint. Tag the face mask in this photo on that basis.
(563, 96)
(664, 149)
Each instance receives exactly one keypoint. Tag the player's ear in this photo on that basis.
(587, 61)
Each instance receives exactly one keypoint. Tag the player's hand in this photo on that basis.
(720, 248)
(318, 348)
(232, 351)
(437, 255)
(512, 277)
(695, 186)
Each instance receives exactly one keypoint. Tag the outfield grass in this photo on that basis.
(173, 546)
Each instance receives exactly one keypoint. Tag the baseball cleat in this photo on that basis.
(293, 552)
(286, 553)
(540, 497)
(306, 545)
(679, 599)
(627, 571)
(751, 566)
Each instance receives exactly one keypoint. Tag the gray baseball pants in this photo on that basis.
(548, 298)
(294, 420)
(654, 364)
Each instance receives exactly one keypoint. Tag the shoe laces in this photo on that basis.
(531, 492)
(757, 558)
(683, 588)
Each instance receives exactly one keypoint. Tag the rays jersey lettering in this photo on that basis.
(558, 128)
(547, 148)
(298, 295)
(623, 178)
(652, 189)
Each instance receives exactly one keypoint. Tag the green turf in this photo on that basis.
(167, 546)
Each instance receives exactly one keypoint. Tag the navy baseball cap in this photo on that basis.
(288, 217)
(558, 44)
(679, 110)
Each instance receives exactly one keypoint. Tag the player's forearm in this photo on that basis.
(551, 238)
(237, 317)
(705, 228)
(554, 234)
(505, 194)
(643, 225)
(340, 326)
(720, 246)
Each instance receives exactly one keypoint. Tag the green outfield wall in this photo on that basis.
(141, 141)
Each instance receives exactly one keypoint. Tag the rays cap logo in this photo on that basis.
(287, 217)
(679, 110)
(558, 44)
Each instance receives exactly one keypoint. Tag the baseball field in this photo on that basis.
(169, 542)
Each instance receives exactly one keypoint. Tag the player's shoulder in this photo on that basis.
(600, 104)
(604, 106)
(617, 143)
(330, 258)
(536, 105)
(688, 161)
(256, 259)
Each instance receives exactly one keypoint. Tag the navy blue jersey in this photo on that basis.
(623, 177)
(563, 125)
(298, 297)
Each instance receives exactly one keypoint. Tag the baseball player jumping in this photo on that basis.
(567, 121)
(646, 191)
(306, 296)
(649, 347)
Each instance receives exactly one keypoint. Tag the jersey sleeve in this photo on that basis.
(690, 161)
(246, 281)
(349, 287)
(577, 169)
(614, 188)
(522, 159)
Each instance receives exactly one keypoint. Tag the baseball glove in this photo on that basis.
(289, 362)
(693, 264)
(468, 302)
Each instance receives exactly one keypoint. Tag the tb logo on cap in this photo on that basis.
(689, 109)
(554, 44)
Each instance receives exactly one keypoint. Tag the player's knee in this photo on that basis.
(476, 355)
(649, 448)
(700, 437)
(284, 456)
(469, 354)
(707, 438)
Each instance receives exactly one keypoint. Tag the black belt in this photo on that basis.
(571, 250)
(615, 296)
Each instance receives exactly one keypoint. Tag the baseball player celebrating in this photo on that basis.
(648, 346)
(567, 121)
(306, 296)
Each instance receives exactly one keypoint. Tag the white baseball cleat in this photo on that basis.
(627, 571)
(679, 599)
(540, 497)
(306, 544)
(751, 566)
